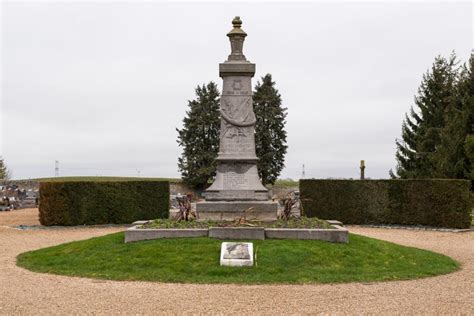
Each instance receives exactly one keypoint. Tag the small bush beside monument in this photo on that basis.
(102, 202)
(437, 203)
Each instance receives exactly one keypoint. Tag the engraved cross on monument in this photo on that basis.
(237, 186)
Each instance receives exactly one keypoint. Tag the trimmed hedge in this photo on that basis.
(431, 202)
(102, 202)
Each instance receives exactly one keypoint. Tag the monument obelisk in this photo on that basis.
(237, 186)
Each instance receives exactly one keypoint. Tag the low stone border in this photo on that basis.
(137, 234)
(337, 234)
(237, 232)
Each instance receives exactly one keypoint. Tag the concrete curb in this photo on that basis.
(237, 233)
(338, 234)
(137, 234)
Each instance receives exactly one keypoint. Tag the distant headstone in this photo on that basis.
(237, 254)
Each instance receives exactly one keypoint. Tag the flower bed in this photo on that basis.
(295, 228)
(302, 222)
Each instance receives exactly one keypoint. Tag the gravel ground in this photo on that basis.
(27, 216)
(25, 292)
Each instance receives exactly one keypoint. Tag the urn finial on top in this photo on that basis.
(237, 37)
(237, 22)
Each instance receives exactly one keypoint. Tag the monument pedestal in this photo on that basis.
(230, 210)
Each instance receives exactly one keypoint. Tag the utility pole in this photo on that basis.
(56, 168)
(362, 169)
(303, 173)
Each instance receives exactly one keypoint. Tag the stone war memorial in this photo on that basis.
(237, 205)
(237, 187)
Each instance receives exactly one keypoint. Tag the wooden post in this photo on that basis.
(362, 170)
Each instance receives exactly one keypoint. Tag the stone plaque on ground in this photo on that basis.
(237, 254)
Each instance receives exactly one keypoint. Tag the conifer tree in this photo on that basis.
(468, 106)
(469, 148)
(421, 130)
(270, 134)
(4, 173)
(451, 159)
(199, 137)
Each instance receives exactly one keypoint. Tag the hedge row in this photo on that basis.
(433, 202)
(99, 202)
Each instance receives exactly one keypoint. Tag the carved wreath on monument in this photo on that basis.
(237, 114)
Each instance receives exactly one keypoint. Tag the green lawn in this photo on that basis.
(196, 260)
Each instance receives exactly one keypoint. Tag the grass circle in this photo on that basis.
(196, 260)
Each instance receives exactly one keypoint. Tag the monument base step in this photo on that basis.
(228, 211)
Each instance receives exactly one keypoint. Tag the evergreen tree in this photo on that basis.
(468, 106)
(469, 148)
(270, 134)
(199, 137)
(468, 101)
(451, 159)
(4, 173)
(421, 130)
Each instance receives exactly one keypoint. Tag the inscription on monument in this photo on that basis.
(234, 176)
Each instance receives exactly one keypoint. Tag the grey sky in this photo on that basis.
(102, 86)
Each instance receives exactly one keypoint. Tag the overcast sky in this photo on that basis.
(102, 86)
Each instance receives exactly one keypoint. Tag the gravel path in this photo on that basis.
(25, 292)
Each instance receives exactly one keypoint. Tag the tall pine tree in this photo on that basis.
(468, 106)
(270, 134)
(469, 148)
(451, 159)
(422, 129)
(199, 137)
